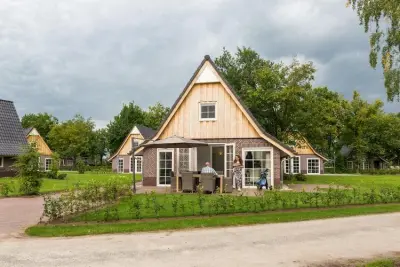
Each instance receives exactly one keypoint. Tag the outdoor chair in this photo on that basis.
(227, 185)
(188, 182)
(207, 180)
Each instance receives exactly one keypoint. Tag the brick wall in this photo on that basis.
(150, 158)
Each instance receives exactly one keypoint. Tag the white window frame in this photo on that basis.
(271, 173)
(141, 164)
(1, 162)
(286, 162)
(45, 164)
(123, 164)
(208, 104)
(319, 166)
(158, 164)
(299, 165)
(190, 159)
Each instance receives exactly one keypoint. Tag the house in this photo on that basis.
(209, 110)
(307, 160)
(12, 138)
(34, 138)
(122, 159)
(370, 162)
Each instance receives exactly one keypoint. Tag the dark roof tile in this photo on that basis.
(12, 138)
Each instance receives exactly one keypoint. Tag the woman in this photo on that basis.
(237, 172)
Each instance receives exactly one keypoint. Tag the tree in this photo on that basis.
(43, 122)
(99, 144)
(122, 124)
(359, 115)
(72, 138)
(383, 16)
(274, 92)
(155, 115)
(27, 165)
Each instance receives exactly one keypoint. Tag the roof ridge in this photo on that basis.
(6, 100)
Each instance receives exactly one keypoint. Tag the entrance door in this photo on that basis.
(165, 159)
(218, 158)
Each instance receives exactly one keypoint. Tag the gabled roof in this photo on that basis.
(313, 150)
(27, 130)
(272, 139)
(145, 132)
(12, 138)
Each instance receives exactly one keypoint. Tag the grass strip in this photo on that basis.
(205, 222)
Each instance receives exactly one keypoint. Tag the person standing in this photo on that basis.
(237, 172)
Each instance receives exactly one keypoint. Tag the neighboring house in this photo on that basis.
(12, 138)
(33, 137)
(368, 163)
(122, 159)
(307, 160)
(209, 110)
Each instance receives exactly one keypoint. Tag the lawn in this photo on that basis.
(205, 222)
(73, 179)
(362, 181)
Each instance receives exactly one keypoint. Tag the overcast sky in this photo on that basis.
(90, 56)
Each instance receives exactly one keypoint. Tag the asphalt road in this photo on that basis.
(288, 244)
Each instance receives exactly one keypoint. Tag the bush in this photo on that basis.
(80, 166)
(300, 177)
(30, 185)
(288, 177)
(51, 175)
(62, 176)
(5, 190)
(28, 169)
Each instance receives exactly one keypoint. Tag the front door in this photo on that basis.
(165, 159)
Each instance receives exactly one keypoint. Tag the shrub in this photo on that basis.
(5, 190)
(80, 166)
(62, 176)
(51, 175)
(300, 177)
(288, 177)
(28, 170)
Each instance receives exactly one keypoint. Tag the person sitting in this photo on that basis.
(208, 169)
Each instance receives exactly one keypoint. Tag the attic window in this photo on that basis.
(208, 111)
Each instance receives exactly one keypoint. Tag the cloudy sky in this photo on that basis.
(90, 56)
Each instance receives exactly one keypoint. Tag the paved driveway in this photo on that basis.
(18, 213)
(288, 244)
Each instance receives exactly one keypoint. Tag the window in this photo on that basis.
(47, 164)
(135, 143)
(165, 168)
(1, 162)
(208, 111)
(139, 164)
(229, 160)
(349, 165)
(295, 165)
(184, 159)
(313, 166)
(120, 167)
(256, 161)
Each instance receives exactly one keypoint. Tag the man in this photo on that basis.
(208, 169)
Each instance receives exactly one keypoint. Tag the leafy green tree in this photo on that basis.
(99, 145)
(72, 138)
(357, 123)
(27, 165)
(122, 124)
(383, 18)
(155, 115)
(274, 92)
(43, 122)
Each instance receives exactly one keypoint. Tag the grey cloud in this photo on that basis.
(91, 56)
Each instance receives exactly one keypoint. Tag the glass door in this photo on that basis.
(256, 161)
(165, 166)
